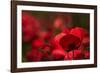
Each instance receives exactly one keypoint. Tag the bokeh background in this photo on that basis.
(50, 24)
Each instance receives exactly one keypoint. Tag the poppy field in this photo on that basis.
(55, 36)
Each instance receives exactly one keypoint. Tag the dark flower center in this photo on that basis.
(70, 42)
(71, 46)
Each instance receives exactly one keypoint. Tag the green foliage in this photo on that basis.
(25, 49)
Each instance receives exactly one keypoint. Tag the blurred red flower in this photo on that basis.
(58, 53)
(30, 26)
(47, 49)
(34, 55)
(46, 36)
(61, 21)
(74, 55)
(87, 54)
(86, 39)
(37, 43)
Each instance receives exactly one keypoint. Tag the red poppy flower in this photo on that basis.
(69, 56)
(86, 41)
(47, 53)
(71, 40)
(38, 43)
(30, 26)
(87, 54)
(59, 22)
(45, 35)
(74, 55)
(34, 55)
(62, 21)
(58, 53)
(78, 54)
